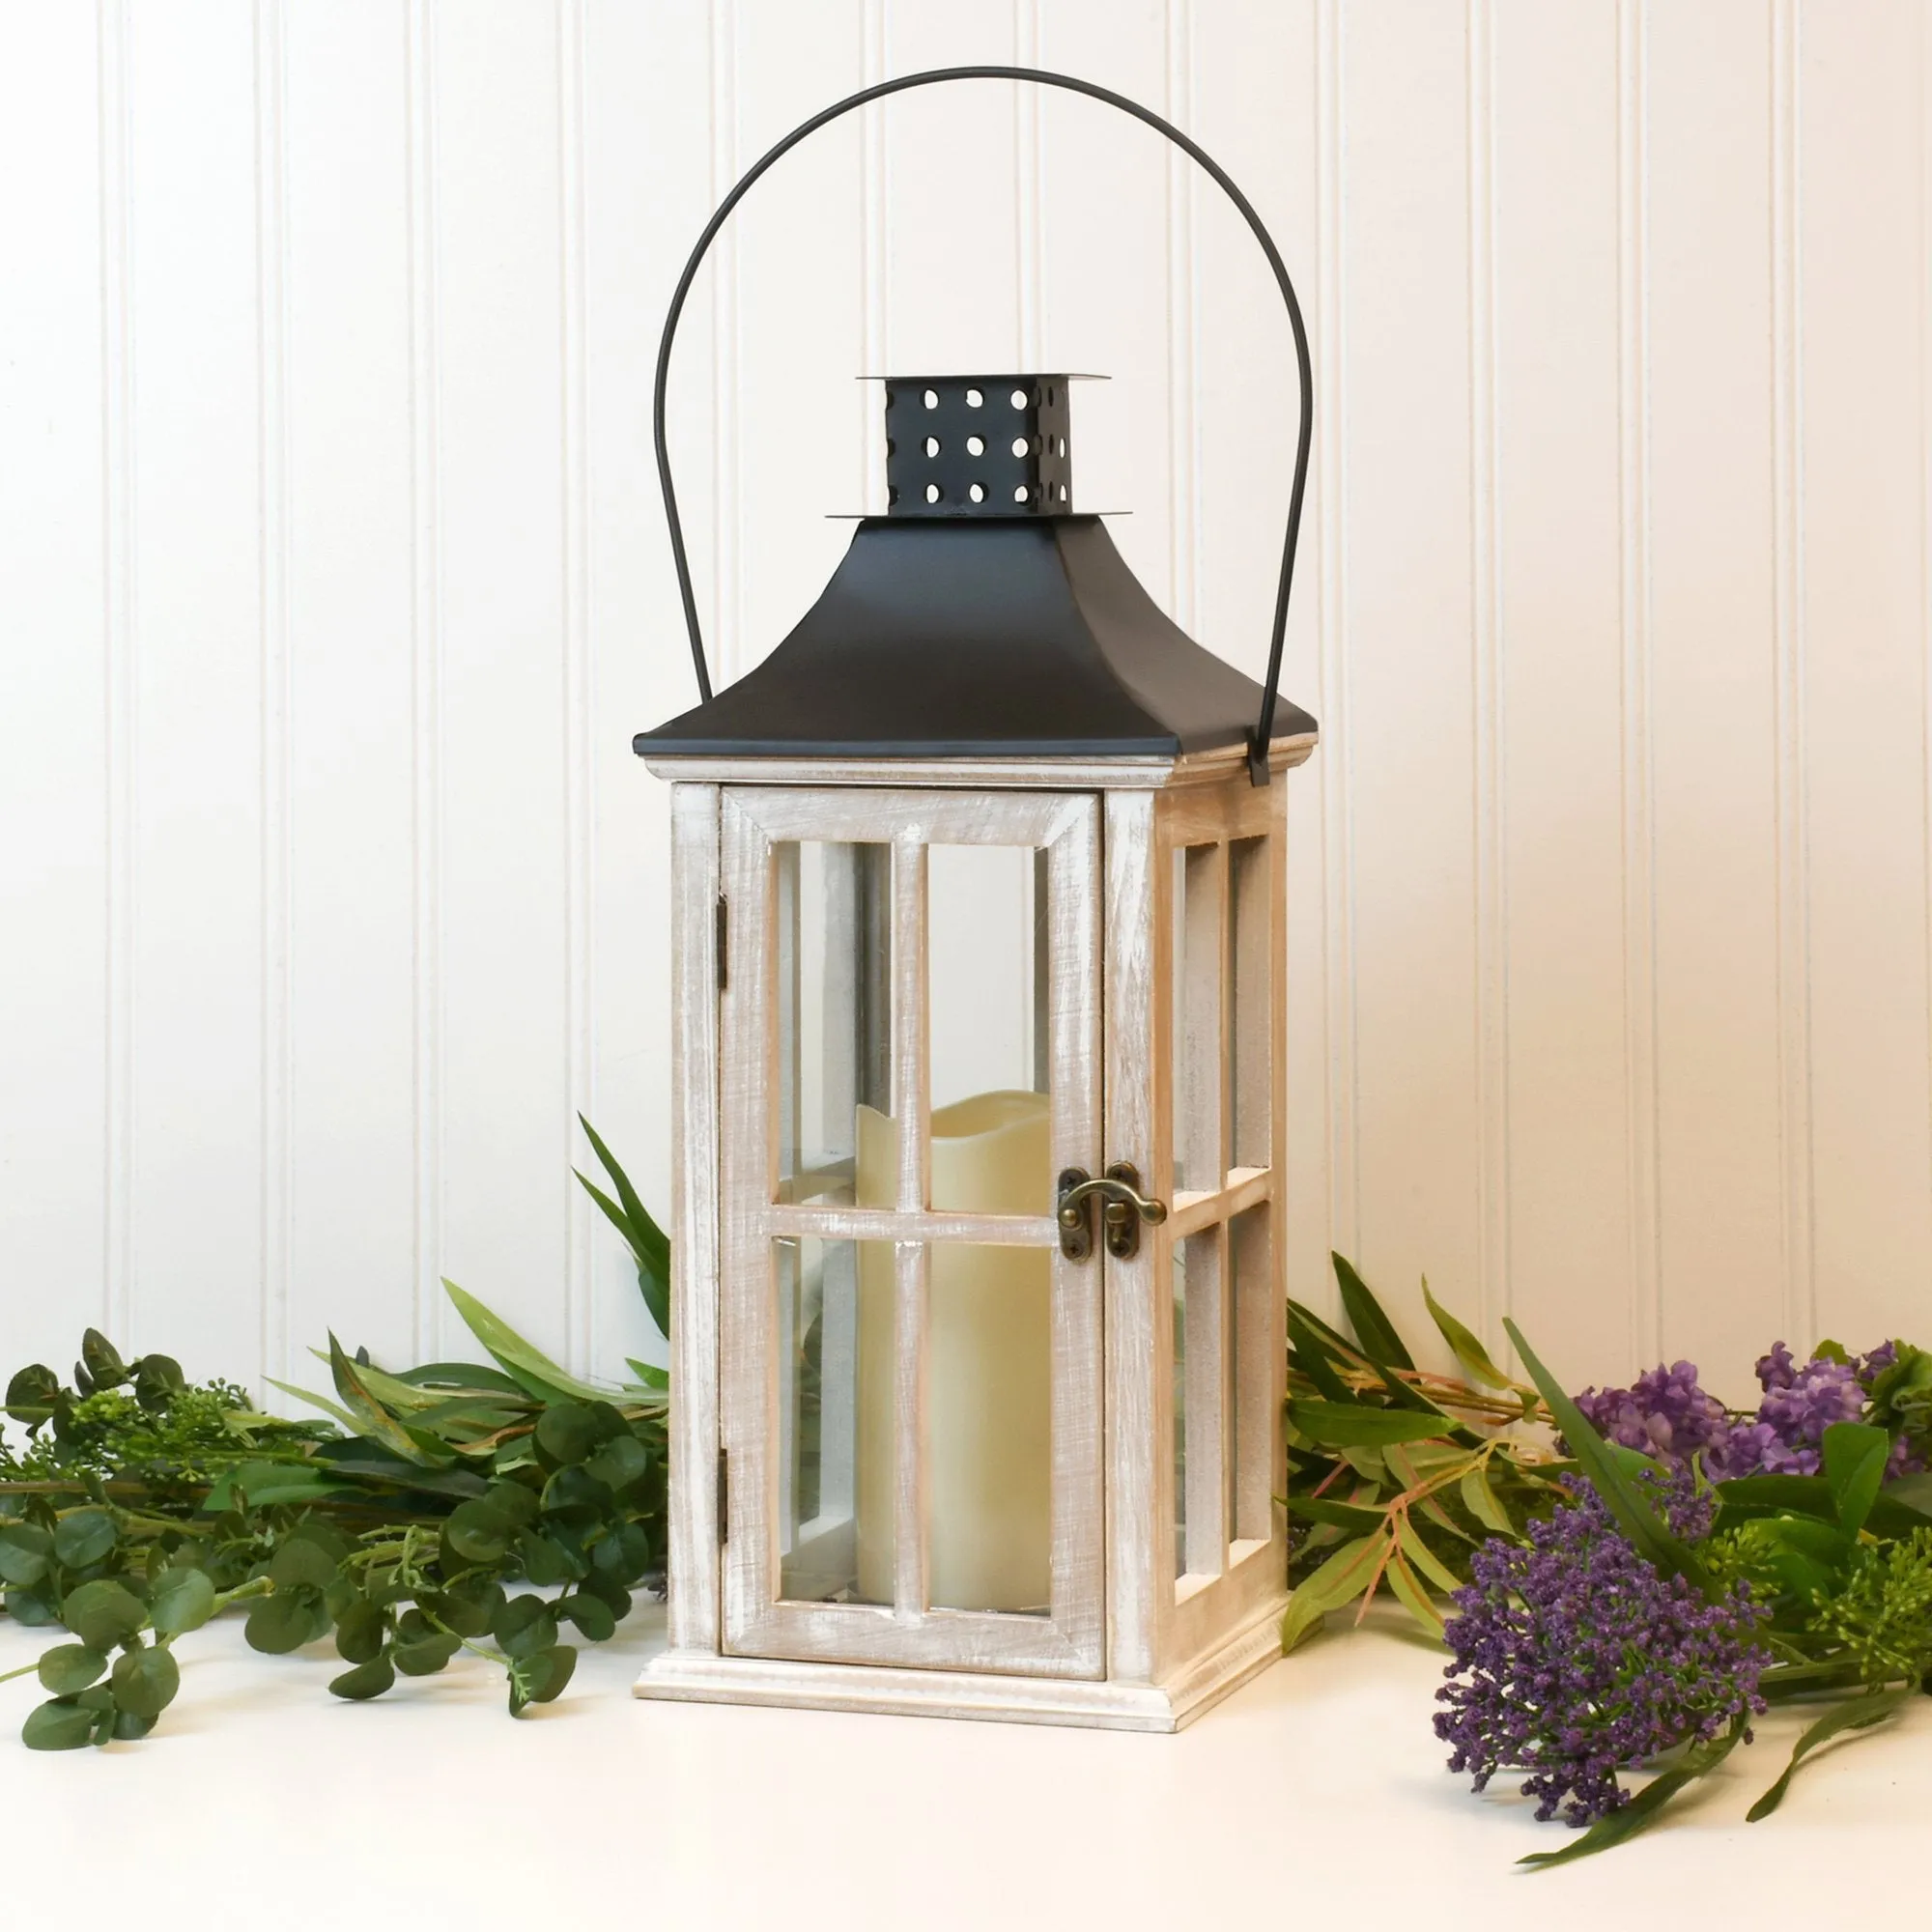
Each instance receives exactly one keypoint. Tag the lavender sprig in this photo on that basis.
(1574, 1660)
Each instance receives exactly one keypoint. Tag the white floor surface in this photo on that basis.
(1314, 1798)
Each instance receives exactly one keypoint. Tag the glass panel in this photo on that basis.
(834, 1500)
(1200, 1355)
(989, 1428)
(1257, 1418)
(985, 928)
(1199, 888)
(1251, 1020)
(835, 1009)
(1179, 1395)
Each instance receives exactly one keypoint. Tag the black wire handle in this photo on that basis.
(1258, 769)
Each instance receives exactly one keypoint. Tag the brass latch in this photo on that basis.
(1126, 1207)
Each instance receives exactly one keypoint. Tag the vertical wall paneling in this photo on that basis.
(1488, 678)
(1335, 1015)
(333, 584)
(1859, 657)
(501, 696)
(117, 548)
(341, 476)
(198, 965)
(1184, 322)
(578, 742)
(271, 243)
(726, 511)
(1112, 209)
(1405, 249)
(799, 339)
(1636, 754)
(1555, 988)
(1788, 545)
(425, 620)
(647, 189)
(1714, 702)
(1255, 106)
(59, 617)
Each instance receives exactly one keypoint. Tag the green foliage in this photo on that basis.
(1394, 1472)
(649, 1244)
(422, 1521)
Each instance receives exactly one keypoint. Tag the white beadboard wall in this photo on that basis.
(332, 585)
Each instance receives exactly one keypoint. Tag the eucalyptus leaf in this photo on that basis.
(145, 1681)
(31, 1393)
(1859, 1714)
(103, 1359)
(181, 1600)
(366, 1680)
(83, 1537)
(359, 1632)
(299, 1562)
(479, 1532)
(524, 1626)
(102, 1613)
(544, 1560)
(426, 1656)
(567, 1431)
(280, 1624)
(69, 1668)
(540, 1679)
(620, 1461)
(591, 1615)
(59, 1724)
(24, 1551)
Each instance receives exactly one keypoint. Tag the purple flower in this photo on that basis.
(1666, 1413)
(1663, 1413)
(1574, 1660)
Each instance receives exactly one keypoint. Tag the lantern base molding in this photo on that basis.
(703, 1677)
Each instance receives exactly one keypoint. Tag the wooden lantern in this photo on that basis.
(977, 1348)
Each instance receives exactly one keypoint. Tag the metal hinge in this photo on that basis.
(722, 974)
(724, 1498)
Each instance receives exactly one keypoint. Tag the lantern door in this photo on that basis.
(910, 1369)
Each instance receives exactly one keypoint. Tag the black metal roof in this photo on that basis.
(980, 637)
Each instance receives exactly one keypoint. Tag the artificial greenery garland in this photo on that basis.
(141, 1506)
(1608, 1607)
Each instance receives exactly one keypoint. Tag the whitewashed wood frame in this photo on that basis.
(757, 825)
(1234, 1572)
(1129, 1644)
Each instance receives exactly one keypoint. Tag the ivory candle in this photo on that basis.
(989, 1338)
